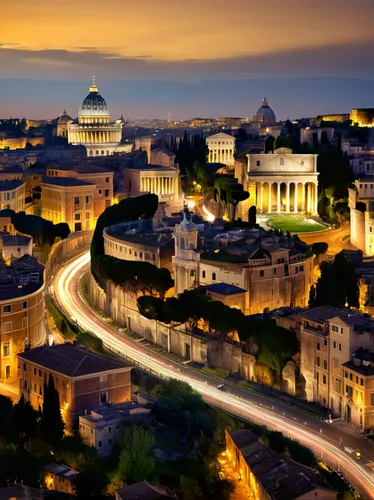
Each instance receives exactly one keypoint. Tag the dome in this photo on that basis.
(94, 104)
(265, 114)
(64, 117)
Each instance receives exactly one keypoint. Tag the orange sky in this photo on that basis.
(179, 29)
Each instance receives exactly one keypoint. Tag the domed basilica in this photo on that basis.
(93, 129)
(264, 122)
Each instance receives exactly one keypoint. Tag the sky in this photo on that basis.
(196, 58)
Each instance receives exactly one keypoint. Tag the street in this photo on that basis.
(322, 437)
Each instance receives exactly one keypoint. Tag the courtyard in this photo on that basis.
(293, 223)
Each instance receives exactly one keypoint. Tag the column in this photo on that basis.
(288, 197)
(307, 195)
(303, 189)
(269, 200)
(315, 210)
(296, 198)
(262, 197)
(278, 197)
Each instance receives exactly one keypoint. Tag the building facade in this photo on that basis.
(22, 312)
(361, 204)
(62, 125)
(363, 116)
(273, 271)
(94, 129)
(329, 337)
(59, 477)
(221, 148)
(83, 379)
(12, 195)
(279, 182)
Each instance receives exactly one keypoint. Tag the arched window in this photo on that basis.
(97, 152)
(102, 152)
(7, 371)
(91, 153)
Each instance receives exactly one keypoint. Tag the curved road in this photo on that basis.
(325, 439)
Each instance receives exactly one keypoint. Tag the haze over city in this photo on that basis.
(197, 59)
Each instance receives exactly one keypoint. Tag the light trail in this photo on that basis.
(209, 216)
(68, 295)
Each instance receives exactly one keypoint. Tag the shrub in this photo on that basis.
(215, 372)
(91, 341)
(61, 322)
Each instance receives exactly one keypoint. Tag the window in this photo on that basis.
(107, 179)
(325, 364)
(7, 309)
(281, 161)
(324, 379)
(40, 373)
(106, 192)
(258, 163)
(109, 430)
(349, 391)
(76, 200)
(104, 397)
(100, 191)
(6, 349)
(77, 216)
(372, 399)
(340, 346)
(262, 273)
(24, 322)
(25, 384)
(99, 444)
(34, 371)
(334, 344)
(361, 381)
(335, 328)
(345, 374)
(24, 304)
(7, 326)
(7, 371)
(275, 271)
(88, 200)
(213, 276)
(318, 361)
(350, 376)
(110, 441)
(192, 273)
(141, 255)
(41, 390)
(318, 346)
(203, 274)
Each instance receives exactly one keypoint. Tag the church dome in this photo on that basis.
(265, 114)
(94, 105)
(64, 117)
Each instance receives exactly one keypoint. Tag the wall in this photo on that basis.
(20, 142)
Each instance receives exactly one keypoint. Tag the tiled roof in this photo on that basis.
(9, 185)
(144, 491)
(225, 289)
(71, 360)
(61, 470)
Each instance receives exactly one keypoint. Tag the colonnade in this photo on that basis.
(221, 155)
(159, 185)
(287, 196)
(83, 136)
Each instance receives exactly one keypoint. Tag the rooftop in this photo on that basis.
(321, 314)
(282, 478)
(66, 181)
(149, 166)
(83, 168)
(144, 491)
(71, 360)
(362, 362)
(15, 240)
(10, 185)
(23, 277)
(61, 471)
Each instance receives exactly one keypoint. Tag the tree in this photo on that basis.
(320, 248)
(190, 489)
(136, 462)
(91, 481)
(283, 142)
(24, 422)
(51, 423)
(252, 215)
(269, 144)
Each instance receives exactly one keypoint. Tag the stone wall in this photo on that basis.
(64, 250)
(20, 142)
(121, 306)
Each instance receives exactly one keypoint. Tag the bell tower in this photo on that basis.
(186, 259)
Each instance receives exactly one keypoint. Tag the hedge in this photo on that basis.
(61, 322)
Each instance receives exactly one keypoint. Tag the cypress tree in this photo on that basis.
(51, 423)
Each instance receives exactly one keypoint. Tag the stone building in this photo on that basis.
(163, 181)
(274, 272)
(59, 477)
(162, 157)
(313, 135)
(94, 129)
(279, 182)
(363, 116)
(22, 312)
(12, 195)
(221, 148)
(15, 246)
(270, 477)
(62, 124)
(264, 122)
(83, 378)
(139, 242)
(329, 337)
(361, 204)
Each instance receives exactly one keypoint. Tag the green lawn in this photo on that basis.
(294, 224)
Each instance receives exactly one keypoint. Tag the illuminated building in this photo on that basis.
(363, 116)
(279, 182)
(329, 337)
(273, 272)
(12, 195)
(94, 129)
(221, 149)
(22, 312)
(83, 378)
(361, 204)
(264, 122)
(76, 194)
(270, 477)
(314, 135)
(59, 477)
(62, 124)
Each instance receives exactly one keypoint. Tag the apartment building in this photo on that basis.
(83, 379)
(329, 337)
(12, 195)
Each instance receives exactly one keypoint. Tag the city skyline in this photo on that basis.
(150, 60)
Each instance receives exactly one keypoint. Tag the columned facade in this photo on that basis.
(286, 197)
(221, 148)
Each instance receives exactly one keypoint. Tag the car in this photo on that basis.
(358, 453)
(349, 450)
(220, 386)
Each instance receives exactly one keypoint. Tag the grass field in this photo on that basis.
(294, 224)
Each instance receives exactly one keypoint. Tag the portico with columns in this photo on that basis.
(280, 182)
